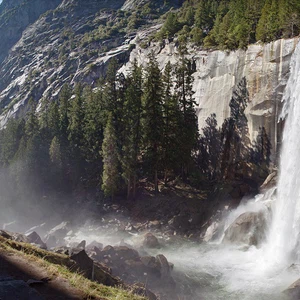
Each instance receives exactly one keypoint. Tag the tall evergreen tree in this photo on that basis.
(153, 117)
(235, 139)
(132, 115)
(188, 121)
(110, 177)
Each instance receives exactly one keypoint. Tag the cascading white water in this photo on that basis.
(284, 235)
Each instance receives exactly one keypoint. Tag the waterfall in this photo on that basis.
(284, 236)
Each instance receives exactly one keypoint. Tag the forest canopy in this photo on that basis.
(232, 24)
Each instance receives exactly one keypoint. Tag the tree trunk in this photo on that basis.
(156, 182)
(134, 187)
(128, 188)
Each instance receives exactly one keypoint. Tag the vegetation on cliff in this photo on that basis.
(125, 130)
(232, 24)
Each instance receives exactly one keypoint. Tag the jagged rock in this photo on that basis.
(34, 238)
(81, 245)
(85, 264)
(249, 228)
(55, 237)
(150, 241)
(18, 237)
(93, 244)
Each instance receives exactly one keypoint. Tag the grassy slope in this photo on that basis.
(58, 265)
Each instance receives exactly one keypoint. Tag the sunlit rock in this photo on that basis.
(249, 228)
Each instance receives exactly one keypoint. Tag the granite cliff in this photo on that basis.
(48, 43)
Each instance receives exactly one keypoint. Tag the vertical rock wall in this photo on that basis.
(265, 66)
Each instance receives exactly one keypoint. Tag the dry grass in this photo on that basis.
(58, 265)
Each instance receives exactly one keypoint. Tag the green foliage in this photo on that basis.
(233, 24)
(153, 116)
(110, 159)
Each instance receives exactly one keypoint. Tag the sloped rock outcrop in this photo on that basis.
(249, 228)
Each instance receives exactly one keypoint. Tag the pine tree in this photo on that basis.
(210, 148)
(132, 115)
(76, 115)
(234, 136)
(262, 149)
(110, 159)
(32, 122)
(171, 117)
(188, 121)
(153, 117)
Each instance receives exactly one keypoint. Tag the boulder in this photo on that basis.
(34, 238)
(55, 237)
(93, 244)
(270, 181)
(150, 241)
(125, 253)
(18, 237)
(293, 291)
(213, 231)
(163, 265)
(84, 263)
(249, 228)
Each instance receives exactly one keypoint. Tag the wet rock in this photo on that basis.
(130, 228)
(293, 291)
(34, 238)
(150, 241)
(163, 265)
(249, 228)
(154, 224)
(213, 231)
(270, 181)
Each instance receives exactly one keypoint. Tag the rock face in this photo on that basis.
(16, 15)
(293, 291)
(42, 48)
(265, 66)
(249, 228)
